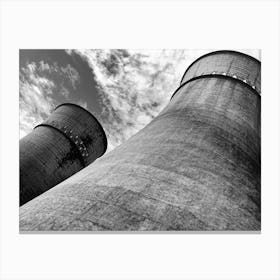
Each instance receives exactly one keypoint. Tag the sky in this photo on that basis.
(123, 88)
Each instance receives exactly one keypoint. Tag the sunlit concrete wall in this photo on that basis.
(70, 139)
(229, 63)
(196, 166)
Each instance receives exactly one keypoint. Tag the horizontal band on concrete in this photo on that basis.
(68, 131)
(81, 158)
(95, 119)
(217, 76)
(218, 52)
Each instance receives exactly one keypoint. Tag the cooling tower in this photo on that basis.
(196, 166)
(70, 139)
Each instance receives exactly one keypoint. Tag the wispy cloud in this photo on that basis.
(134, 86)
(37, 84)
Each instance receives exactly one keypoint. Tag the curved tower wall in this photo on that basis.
(196, 166)
(228, 63)
(70, 139)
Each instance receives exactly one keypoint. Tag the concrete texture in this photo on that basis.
(70, 139)
(196, 166)
(229, 63)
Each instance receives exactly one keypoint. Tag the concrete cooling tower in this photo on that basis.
(195, 167)
(70, 139)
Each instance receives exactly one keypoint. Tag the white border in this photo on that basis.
(155, 24)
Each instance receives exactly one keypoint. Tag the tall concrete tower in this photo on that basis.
(196, 166)
(70, 139)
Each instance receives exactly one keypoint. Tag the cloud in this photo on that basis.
(134, 86)
(40, 84)
(72, 75)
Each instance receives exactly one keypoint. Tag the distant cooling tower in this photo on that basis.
(196, 166)
(69, 140)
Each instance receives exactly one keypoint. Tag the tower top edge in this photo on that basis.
(92, 116)
(219, 52)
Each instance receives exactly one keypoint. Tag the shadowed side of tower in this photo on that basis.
(196, 166)
(70, 139)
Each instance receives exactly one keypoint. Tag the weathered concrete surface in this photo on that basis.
(66, 142)
(230, 63)
(194, 167)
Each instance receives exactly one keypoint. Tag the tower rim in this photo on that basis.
(215, 76)
(218, 52)
(96, 120)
